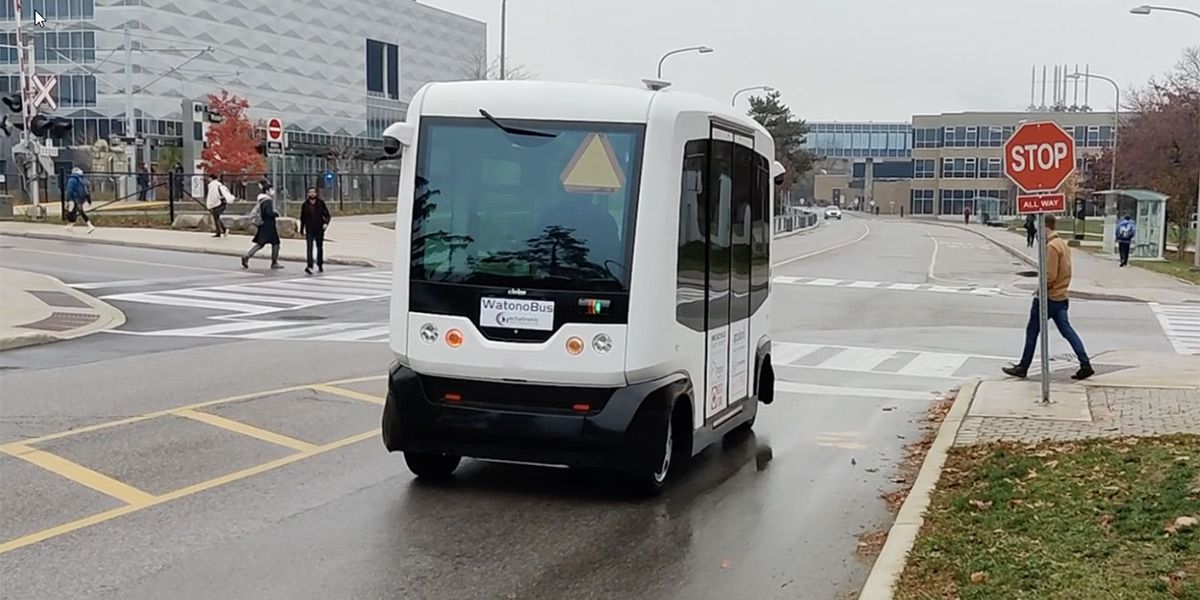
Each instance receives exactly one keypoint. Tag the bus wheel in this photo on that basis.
(668, 454)
(431, 466)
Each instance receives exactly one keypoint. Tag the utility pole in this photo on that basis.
(25, 67)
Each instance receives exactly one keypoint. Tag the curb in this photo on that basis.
(26, 340)
(346, 262)
(109, 318)
(903, 534)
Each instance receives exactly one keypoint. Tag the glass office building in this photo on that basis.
(860, 140)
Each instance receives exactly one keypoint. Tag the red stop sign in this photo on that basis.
(274, 129)
(1039, 157)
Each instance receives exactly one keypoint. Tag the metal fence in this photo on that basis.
(794, 222)
(181, 193)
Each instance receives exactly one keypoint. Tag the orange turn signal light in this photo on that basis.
(574, 346)
(581, 407)
(454, 338)
(452, 397)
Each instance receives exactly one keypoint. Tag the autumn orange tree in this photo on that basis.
(232, 144)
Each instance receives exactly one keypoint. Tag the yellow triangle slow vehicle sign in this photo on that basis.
(594, 168)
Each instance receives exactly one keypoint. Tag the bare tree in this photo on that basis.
(479, 67)
(343, 154)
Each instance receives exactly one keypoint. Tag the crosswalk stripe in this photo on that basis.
(296, 332)
(858, 359)
(831, 390)
(934, 365)
(356, 335)
(223, 295)
(221, 328)
(784, 353)
(1181, 324)
(880, 285)
(326, 295)
(163, 298)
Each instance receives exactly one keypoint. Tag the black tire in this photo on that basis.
(652, 482)
(431, 466)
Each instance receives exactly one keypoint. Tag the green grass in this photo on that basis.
(1173, 266)
(1078, 521)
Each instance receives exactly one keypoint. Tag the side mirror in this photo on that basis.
(397, 136)
(777, 172)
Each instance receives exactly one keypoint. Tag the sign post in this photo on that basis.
(1039, 157)
(275, 141)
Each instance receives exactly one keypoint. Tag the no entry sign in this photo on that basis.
(1039, 157)
(1041, 203)
(275, 129)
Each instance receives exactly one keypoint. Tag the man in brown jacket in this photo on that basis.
(1058, 281)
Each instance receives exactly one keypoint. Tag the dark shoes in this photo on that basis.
(276, 266)
(245, 263)
(321, 268)
(1016, 371)
(308, 270)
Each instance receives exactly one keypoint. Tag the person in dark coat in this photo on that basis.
(263, 215)
(314, 218)
(1030, 230)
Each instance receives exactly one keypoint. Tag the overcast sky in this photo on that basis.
(847, 60)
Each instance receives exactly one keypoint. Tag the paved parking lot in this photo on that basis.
(70, 480)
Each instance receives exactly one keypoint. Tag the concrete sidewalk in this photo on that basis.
(1095, 277)
(353, 241)
(1135, 394)
(38, 309)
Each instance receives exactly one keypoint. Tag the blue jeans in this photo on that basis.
(1057, 310)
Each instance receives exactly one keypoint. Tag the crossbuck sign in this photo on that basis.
(42, 88)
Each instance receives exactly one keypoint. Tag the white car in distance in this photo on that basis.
(833, 212)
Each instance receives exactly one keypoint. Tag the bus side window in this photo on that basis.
(690, 294)
(760, 227)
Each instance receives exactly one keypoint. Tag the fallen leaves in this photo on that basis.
(870, 543)
(979, 577)
(981, 505)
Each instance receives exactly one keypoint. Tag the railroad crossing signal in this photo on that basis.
(43, 91)
(1039, 157)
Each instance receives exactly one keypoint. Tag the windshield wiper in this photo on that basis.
(515, 130)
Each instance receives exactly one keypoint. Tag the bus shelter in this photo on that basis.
(1148, 209)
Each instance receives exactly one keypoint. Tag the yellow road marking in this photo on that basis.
(345, 393)
(53, 532)
(866, 232)
(80, 474)
(357, 380)
(246, 430)
(153, 415)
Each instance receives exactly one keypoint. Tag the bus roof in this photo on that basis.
(565, 101)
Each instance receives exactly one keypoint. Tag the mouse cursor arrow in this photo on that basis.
(38, 19)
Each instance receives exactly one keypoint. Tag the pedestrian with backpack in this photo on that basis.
(1125, 233)
(77, 196)
(263, 216)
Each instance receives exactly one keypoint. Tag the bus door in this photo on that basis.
(731, 183)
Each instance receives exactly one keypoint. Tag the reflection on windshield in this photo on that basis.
(559, 214)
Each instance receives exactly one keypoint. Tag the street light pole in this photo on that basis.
(1146, 9)
(700, 49)
(503, 37)
(1112, 176)
(765, 88)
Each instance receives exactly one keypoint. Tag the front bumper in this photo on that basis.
(528, 423)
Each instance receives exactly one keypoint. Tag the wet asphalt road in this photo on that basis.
(186, 487)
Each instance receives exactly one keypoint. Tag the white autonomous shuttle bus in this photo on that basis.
(581, 278)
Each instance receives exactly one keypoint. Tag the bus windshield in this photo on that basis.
(525, 204)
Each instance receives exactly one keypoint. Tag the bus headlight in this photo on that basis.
(429, 333)
(602, 343)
